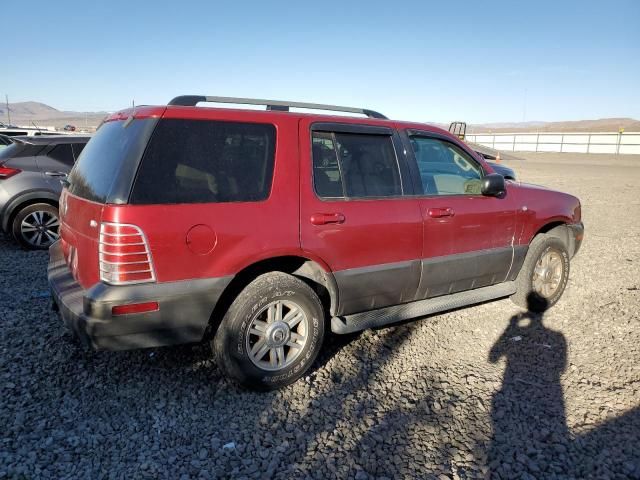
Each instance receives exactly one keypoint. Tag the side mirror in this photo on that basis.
(493, 185)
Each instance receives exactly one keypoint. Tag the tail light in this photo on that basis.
(7, 172)
(124, 254)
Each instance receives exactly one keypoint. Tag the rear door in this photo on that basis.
(56, 162)
(355, 214)
(468, 237)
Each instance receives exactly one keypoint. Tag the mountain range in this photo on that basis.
(40, 114)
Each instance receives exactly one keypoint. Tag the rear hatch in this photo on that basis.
(102, 175)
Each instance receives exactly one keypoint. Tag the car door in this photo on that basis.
(355, 214)
(56, 162)
(468, 237)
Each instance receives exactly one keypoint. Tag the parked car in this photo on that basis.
(69, 128)
(503, 170)
(259, 230)
(30, 172)
(459, 129)
(5, 141)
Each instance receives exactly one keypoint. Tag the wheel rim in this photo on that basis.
(40, 228)
(277, 335)
(547, 274)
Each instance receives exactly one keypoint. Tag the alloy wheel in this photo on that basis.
(40, 229)
(277, 335)
(547, 273)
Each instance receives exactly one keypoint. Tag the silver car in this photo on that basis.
(31, 170)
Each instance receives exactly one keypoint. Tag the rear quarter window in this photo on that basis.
(202, 161)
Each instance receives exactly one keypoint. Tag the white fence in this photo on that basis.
(606, 142)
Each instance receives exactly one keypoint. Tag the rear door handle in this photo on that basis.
(326, 218)
(55, 174)
(440, 212)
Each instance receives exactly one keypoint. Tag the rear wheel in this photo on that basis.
(544, 274)
(36, 226)
(272, 332)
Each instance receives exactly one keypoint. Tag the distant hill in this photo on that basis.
(24, 113)
(600, 125)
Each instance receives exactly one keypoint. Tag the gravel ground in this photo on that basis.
(489, 391)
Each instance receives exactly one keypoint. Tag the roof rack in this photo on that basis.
(278, 105)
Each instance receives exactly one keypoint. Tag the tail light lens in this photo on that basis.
(124, 254)
(7, 172)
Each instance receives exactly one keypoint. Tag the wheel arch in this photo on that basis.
(558, 229)
(24, 200)
(317, 276)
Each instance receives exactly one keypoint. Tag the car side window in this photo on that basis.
(355, 165)
(206, 161)
(446, 169)
(326, 170)
(63, 154)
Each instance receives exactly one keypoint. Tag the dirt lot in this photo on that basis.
(488, 391)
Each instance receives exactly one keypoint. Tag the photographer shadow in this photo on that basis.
(530, 432)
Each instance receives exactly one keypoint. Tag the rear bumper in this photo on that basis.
(183, 315)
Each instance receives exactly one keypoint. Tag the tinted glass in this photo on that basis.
(19, 150)
(445, 169)
(326, 171)
(63, 154)
(198, 161)
(77, 150)
(114, 144)
(369, 165)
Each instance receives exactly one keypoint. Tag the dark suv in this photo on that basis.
(261, 229)
(31, 169)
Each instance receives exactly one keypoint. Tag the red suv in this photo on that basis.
(261, 229)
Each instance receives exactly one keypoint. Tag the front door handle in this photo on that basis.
(56, 174)
(326, 218)
(441, 212)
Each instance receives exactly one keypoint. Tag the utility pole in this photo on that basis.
(6, 99)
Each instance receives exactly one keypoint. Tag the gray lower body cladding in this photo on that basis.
(397, 313)
(374, 287)
(183, 315)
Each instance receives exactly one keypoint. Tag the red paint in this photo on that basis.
(201, 239)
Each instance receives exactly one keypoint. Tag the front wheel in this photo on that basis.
(272, 332)
(544, 274)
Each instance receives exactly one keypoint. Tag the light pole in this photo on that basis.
(6, 99)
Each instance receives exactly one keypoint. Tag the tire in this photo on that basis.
(35, 227)
(255, 316)
(529, 294)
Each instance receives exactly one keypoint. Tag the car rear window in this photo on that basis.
(202, 161)
(116, 146)
(16, 150)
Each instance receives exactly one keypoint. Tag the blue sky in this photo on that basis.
(479, 61)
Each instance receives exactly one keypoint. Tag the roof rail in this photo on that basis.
(279, 105)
